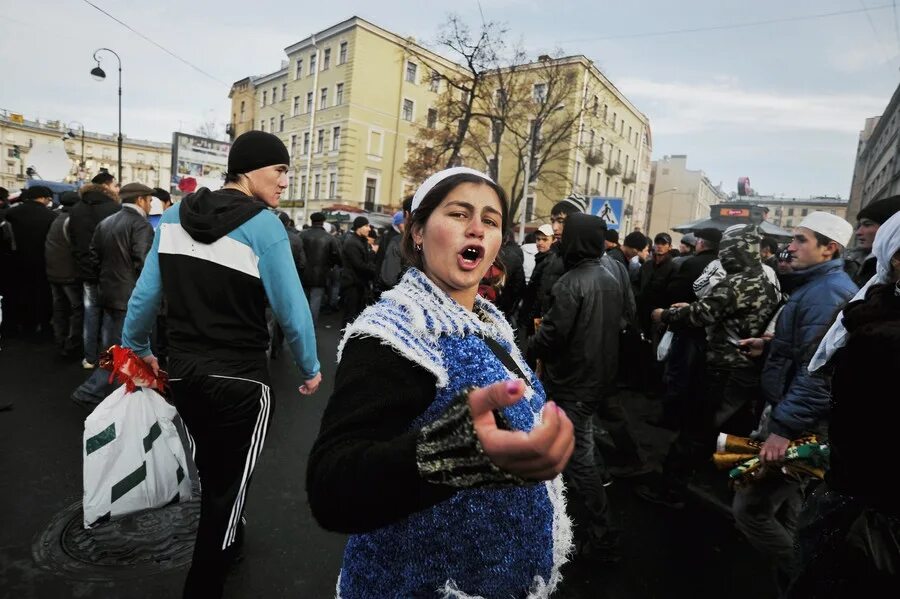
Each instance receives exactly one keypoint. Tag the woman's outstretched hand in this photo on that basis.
(540, 454)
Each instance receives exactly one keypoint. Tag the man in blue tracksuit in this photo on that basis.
(218, 258)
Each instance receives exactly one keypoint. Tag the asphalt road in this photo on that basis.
(695, 552)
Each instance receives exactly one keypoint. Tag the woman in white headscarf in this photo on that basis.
(849, 530)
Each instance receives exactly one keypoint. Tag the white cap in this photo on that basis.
(546, 230)
(439, 176)
(831, 226)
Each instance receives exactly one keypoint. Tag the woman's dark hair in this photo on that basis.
(431, 201)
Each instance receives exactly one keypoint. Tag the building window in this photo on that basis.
(262, 124)
(336, 139)
(317, 186)
(804, 212)
(496, 130)
(370, 193)
(312, 63)
(411, 69)
(435, 84)
(242, 111)
(529, 208)
(283, 92)
(272, 124)
(577, 174)
(790, 212)
(332, 185)
(309, 101)
(293, 145)
(274, 95)
(265, 98)
(298, 72)
(432, 118)
(339, 94)
(408, 107)
(281, 124)
(326, 59)
(596, 105)
(303, 187)
(320, 141)
(306, 144)
(342, 56)
(323, 98)
(539, 92)
(296, 109)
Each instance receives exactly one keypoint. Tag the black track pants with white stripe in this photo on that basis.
(227, 416)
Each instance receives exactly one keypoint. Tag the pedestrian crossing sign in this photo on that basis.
(609, 210)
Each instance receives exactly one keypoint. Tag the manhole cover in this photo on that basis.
(133, 546)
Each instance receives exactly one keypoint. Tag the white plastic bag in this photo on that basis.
(664, 347)
(133, 456)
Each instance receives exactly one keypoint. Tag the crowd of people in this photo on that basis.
(476, 471)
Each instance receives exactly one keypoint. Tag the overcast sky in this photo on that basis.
(782, 103)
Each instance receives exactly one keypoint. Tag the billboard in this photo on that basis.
(198, 162)
(608, 209)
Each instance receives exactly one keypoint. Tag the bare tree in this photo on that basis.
(209, 129)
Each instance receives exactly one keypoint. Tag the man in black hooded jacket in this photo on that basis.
(578, 343)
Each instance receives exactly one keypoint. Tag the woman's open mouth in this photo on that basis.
(470, 257)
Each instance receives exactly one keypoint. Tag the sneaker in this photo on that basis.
(660, 496)
(87, 365)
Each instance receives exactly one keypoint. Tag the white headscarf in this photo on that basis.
(439, 176)
(887, 243)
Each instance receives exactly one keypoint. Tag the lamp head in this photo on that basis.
(97, 73)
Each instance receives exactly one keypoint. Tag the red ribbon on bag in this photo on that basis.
(130, 370)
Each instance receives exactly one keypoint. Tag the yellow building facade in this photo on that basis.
(27, 143)
(348, 101)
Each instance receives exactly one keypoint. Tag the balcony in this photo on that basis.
(593, 157)
(613, 169)
(629, 178)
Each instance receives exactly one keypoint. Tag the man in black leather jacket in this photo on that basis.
(118, 248)
(323, 251)
(578, 343)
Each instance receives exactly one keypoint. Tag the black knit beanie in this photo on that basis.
(256, 149)
(881, 210)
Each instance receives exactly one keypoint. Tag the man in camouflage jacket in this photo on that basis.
(741, 304)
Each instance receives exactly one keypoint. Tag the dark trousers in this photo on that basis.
(611, 415)
(354, 300)
(97, 386)
(726, 406)
(588, 504)
(68, 315)
(227, 416)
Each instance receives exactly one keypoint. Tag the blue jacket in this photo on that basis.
(800, 400)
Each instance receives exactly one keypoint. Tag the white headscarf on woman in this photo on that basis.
(887, 243)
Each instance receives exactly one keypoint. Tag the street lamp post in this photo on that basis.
(99, 74)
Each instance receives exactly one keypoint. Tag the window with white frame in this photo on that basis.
(265, 98)
(272, 124)
(293, 145)
(296, 108)
(342, 55)
(411, 70)
(332, 185)
(274, 94)
(336, 139)
(306, 143)
(323, 98)
(312, 63)
(432, 118)
(281, 124)
(262, 124)
(320, 141)
(298, 70)
(309, 102)
(283, 92)
(338, 94)
(317, 186)
(303, 181)
(408, 110)
(326, 59)
(539, 92)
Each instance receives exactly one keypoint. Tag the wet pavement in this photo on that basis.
(694, 552)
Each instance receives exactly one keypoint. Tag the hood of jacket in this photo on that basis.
(96, 194)
(583, 238)
(739, 248)
(208, 216)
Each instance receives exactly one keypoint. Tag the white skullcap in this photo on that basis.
(439, 176)
(831, 226)
(546, 230)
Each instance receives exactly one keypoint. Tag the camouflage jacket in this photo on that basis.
(739, 306)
